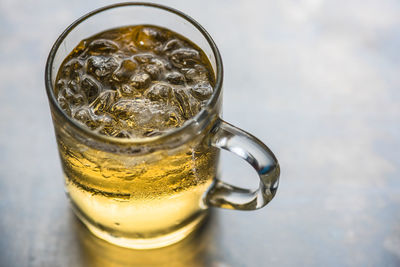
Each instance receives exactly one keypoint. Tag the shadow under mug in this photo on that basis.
(154, 191)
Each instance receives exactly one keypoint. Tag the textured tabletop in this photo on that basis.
(317, 81)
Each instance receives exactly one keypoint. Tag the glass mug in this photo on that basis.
(154, 191)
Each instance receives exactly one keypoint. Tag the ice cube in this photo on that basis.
(196, 74)
(124, 108)
(140, 81)
(71, 70)
(74, 99)
(90, 87)
(84, 116)
(142, 115)
(154, 70)
(136, 111)
(103, 102)
(73, 86)
(154, 116)
(183, 103)
(175, 77)
(184, 57)
(125, 70)
(64, 104)
(202, 91)
(144, 58)
(102, 46)
(160, 92)
(149, 38)
(171, 45)
(101, 66)
(128, 91)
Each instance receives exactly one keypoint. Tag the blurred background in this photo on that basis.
(317, 81)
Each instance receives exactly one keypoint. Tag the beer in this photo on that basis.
(136, 82)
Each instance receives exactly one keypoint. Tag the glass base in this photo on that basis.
(144, 243)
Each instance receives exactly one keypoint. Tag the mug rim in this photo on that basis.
(202, 115)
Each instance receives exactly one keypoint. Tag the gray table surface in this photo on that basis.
(317, 81)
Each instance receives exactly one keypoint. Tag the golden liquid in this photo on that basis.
(140, 198)
(137, 201)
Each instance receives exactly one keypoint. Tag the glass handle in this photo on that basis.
(223, 195)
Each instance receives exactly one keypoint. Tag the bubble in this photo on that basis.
(140, 81)
(175, 77)
(101, 66)
(125, 70)
(103, 102)
(202, 91)
(160, 92)
(184, 57)
(90, 88)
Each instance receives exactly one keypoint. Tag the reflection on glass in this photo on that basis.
(192, 251)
